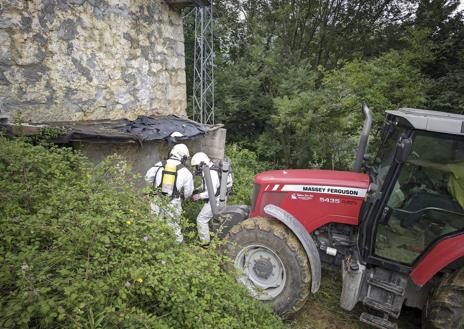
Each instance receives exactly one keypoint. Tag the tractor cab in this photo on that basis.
(417, 189)
(397, 231)
(411, 229)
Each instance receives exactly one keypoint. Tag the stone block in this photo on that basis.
(5, 48)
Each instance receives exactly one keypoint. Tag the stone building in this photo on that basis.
(91, 59)
(88, 64)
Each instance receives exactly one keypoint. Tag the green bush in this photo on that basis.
(245, 166)
(319, 126)
(80, 249)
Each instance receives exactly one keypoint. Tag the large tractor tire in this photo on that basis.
(271, 263)
(445, 308)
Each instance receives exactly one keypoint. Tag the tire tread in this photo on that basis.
(445, 308)
(281, 232)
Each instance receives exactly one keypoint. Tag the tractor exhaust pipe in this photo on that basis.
(362, 147)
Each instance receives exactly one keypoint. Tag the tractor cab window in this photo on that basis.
(386, 152)
(427, 200)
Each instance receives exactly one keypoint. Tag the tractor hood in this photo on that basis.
(314, 197)
(312, 177)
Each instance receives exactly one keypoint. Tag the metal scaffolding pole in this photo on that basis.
(203, 70)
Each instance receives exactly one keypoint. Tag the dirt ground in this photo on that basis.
(322, 311)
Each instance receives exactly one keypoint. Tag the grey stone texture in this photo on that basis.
(90, 59)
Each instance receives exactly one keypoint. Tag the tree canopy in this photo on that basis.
(291, 75)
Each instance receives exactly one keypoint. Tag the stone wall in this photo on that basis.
(90, 59)
(142, 158)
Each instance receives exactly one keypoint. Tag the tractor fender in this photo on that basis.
(305, 239)
(442, 253)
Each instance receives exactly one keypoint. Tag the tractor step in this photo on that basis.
(388, 286)
(383, 307)
(377, 321)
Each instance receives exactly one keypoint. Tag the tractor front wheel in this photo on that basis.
(445, 308)
(271, 263)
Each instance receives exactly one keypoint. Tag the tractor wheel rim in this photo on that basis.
(261, 271)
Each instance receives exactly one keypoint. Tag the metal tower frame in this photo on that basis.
(203, 66)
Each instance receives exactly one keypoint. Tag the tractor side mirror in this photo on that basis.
(404, 149)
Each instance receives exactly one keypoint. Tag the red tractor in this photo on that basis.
(397, 231)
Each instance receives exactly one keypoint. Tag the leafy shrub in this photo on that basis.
(80, 249)
(245, 166)
(320, 125)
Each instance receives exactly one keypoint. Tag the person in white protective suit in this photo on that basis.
(172, 179)
(198, 160)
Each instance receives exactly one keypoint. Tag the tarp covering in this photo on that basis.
(143, 129)
(149, 128)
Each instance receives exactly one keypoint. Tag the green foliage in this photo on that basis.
(315, 119)
(385, 83)
(446, 92)
(246, 96)
(245, 166)
(444, 65)
(291, 75)
(45, 136)
(80, 249)
(319, 127)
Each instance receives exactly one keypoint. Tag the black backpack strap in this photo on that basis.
(163, 163)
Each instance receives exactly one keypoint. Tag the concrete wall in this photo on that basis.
(90, 59)
(143, 158)
(212, 143)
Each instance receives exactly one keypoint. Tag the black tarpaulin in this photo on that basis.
(150, 128)
(142, 129)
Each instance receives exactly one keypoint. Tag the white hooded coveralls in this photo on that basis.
(206, 213)
(184, 183)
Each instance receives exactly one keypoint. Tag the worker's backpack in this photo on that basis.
(221, 169)
(168, 183)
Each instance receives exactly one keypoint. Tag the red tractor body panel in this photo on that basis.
(442, 254)
(314, 197)
(319, 197)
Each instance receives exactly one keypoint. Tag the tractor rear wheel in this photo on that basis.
(445, 308)
(271, 263)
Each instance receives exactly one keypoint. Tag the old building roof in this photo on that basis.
(142, 129)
